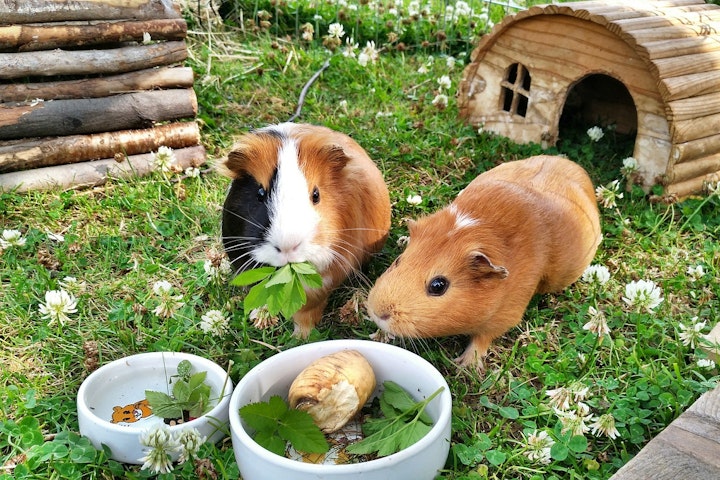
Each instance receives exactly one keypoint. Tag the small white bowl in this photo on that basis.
(123, 383)
(273, 376)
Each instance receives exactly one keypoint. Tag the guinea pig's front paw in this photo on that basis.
(305, 320)
(472, 358)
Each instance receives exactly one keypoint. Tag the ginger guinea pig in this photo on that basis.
(524, 227)
(303, 193)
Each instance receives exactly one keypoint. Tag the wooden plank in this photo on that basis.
(687, 448)
(154, 78)
(695, 128)
(669, 17)
(682, 46)
(694, 108)
(26, 38)
(692, 85)
(43, 152)
(698, 148)
(81, 116)
(33, 11)
(88, 174)
(687, 64)
(696, 168)
(644, 36)
(87, 62)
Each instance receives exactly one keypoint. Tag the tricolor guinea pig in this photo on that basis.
(524, 227)
(303, 193)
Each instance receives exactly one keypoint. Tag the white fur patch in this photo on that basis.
(462, 220)
(293, 218)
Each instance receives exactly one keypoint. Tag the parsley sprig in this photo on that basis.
(405, 422)
(281, 289)
(276, 424)
(190, 394)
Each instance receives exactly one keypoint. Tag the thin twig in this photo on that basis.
(305, 89)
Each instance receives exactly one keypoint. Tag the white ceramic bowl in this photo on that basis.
(274, 376)
(123, 382)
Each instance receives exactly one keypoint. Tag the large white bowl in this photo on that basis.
(124, 381)
(420, 461)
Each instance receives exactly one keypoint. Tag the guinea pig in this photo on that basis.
(303, 193)
(525, 227)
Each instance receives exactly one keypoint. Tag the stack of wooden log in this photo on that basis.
(90, 89)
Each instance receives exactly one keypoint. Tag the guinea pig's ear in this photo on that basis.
(482, 266)
(335, 156)
(412, 226)
(233, 165)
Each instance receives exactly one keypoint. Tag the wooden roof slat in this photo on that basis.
(694, 107)
(687, 64)
(641, 37)
(693, 85)
(700, 17)
(682, 46)
(693, 129)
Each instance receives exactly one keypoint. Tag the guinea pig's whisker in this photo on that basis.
(245, 219)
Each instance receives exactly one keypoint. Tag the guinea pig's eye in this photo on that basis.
(438, 286)
(316, 196)
(261, 194)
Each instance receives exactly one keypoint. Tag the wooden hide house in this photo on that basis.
(650, 67)
(90, 89)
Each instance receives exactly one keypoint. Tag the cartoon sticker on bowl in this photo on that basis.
(131, 413)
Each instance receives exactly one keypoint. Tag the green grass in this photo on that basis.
(119, 239)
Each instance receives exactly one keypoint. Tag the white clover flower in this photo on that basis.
(579, 391)
(307, 35)
(538, 445)
(575, 421)
(336, 30)
(72, 285)
(597, 323)
(605, 425)
(608, 195)
(444, 82)
(560, 398)
(596, 274)
(691, 334)
(450, 63)
(164, 158)
(189, 442)
(161, 288)
(11, 238)
(413, 9)
(368, 54)
(402, 241)
(713, 188)
(382, 336)
(643, 294)
(696, 272)
(595, 133)
(192, 172)
(630, 166)
(414, 199)
(169, 303)
(58, 304)
(160, 442)
(262, 318)
(217, 272)
(440, 101)
(705, 363)
(350, 47)
(214, 322)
